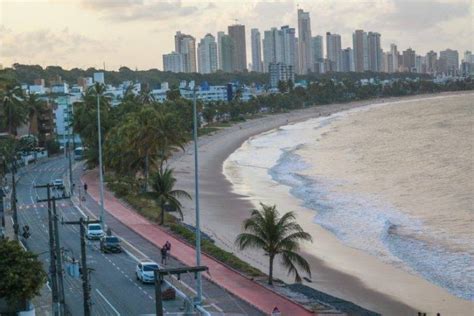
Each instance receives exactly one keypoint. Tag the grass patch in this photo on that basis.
(207, 130)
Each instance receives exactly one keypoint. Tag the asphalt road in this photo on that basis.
(115, 290)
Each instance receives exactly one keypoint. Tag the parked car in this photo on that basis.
(110, 244)
(144, 271)
(94, 231)
(58, 183)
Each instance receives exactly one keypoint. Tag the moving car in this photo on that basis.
(110, 244)
(94, 231)
(58, 183)
(144, 271)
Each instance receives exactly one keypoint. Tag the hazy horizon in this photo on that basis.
(136, 33)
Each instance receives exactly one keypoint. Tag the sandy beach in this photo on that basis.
(336, 269)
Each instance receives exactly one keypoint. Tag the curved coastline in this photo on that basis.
(223, 210)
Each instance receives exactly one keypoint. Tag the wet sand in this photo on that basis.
(338, 270)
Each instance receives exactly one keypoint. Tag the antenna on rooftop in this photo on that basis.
(236, 21)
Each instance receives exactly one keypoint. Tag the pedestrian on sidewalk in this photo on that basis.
(85, 187)
(163, 255)
(167, 246)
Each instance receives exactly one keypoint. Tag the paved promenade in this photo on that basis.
(239, 285)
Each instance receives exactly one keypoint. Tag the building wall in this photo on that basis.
(256, 43)
(304, 42)
(237, 34)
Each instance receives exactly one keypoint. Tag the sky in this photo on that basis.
(136, 33)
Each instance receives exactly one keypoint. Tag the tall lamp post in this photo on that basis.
(196, 198)
(101, 176)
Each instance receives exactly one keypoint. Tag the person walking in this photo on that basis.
(168, 246)
(163, 255)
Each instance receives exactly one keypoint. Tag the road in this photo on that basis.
(115, 290)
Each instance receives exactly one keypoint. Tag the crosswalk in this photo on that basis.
(40, 205)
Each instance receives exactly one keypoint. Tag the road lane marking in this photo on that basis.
(107, 301)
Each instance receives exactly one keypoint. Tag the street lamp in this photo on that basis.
(101, 176)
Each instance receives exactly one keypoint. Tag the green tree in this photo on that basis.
(163, 183)
(21, 273)
(34, 107)
(282, 86)
(14, 112)
(275, 235)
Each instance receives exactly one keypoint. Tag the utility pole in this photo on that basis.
(2, 213)
(86, 287)
(16, 226)
(71, 188)
(59, 264)
(196, 199)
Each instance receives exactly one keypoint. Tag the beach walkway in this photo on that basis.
(234, 282)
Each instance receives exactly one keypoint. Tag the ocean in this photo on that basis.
(394, 180)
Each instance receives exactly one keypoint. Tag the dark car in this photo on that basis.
(110, 244)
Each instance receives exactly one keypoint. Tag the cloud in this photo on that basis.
(140, 10)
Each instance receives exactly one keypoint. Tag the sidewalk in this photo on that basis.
(234, 282)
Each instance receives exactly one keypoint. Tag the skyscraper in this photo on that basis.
(272, 47)
(432, 62)
(186, 45)
(237, 33)
(227, 53)
(219, 49)
(394, 53)
(256, 44)
(289, 45)
(409, 59)
(374, 52)
(304, 42)
(173, 62)
(207, 54)
(360, 46)
(347, 62)
(452, 60)
(317, 48)
(333, 51)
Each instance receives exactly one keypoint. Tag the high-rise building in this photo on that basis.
(374, 52)
(280, 72)
(468, 57)
(419, 64)
(333, 51)
(304, 42)
(394, 53)
(207, 54)
(347, 60)
(317, 50)
(272, 47)
(452, 61)
(99, 77)
(186, 45)
(227, 53)
(432, 62)
(237, 33)
(289, 45)
(361, 50)
(409, 59)
(173, 62)
(219, 47)
(256, 43)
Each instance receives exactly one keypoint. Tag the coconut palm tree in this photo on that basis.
(163, 183)
(275, 235)
(14, 110)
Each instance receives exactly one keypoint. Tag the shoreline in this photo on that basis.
(223, 209)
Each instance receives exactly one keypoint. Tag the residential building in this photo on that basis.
(207, 54)
(85, 82)
(347, 60)
(419, 64)
(333, 51)
(36, 89)
(173, 62)
(256, 43)
(227, 53)
(409, 59)
(39, 82)
(452, 61)
(60, 88)
(280, 72)
(395, 54)
(361, 50)
(289, 46)
(272, 47)
(374, 52)
(186, 45)
(220, 34)
(317, 50)
(304, 42)
(387, 61)
(237, 34)
(99, 77)
(432, 62)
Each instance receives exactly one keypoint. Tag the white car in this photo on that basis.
(94, 231)
(58, 183)
(144, 271)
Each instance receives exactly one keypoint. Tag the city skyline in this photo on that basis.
(27, 39)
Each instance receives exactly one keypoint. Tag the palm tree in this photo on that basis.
(34, 107)
(163, 183)
(276, 235)
(14, 109)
